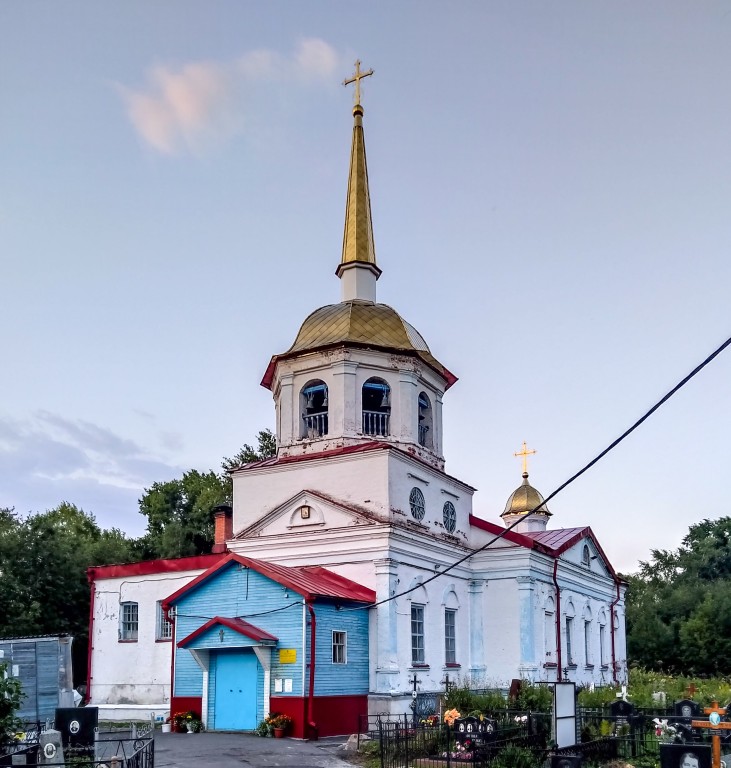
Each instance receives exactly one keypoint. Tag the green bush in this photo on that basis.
(515, 757)
(11, 694)
(534, 697)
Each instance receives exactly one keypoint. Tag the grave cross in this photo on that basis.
(716, 726)
(447, 683)
(691, 690)
(414, 682)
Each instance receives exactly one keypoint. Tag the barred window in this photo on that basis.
(128, 621)
(417, 634)
(164, 627)
(340, 647)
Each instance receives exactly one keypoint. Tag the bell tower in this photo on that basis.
(357, 371)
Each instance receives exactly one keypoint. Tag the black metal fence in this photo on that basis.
(468, 742)
(122, 748)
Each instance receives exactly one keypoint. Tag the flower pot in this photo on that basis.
(191, 728)
(166, 727)
(279, 733)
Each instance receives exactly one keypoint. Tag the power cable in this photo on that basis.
(560, 488)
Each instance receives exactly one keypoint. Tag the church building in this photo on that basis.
(351, 564)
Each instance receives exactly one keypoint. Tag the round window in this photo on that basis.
(449, 514)
(416, 500)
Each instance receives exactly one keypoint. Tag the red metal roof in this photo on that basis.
(512, 536)
(559, 539)
(310, 581)
(148, 567)
(238, 625)
(552, 542)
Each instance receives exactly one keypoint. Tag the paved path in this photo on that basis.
(237, 750)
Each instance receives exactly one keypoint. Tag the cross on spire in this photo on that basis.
(356, 78)
(525, 453)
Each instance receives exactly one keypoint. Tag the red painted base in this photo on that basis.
(332, 715)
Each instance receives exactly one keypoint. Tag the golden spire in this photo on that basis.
(358, 246)
(525, 453)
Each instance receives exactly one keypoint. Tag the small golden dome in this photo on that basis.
(524, 499)
(364, 324)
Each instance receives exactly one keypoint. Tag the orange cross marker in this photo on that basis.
(716, 726)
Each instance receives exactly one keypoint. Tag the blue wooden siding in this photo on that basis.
(236, 591)
(351, 677)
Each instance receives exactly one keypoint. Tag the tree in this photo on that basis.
(43, 585)
(179, 520)
(266, 448)
(679, 604)
(178, 512)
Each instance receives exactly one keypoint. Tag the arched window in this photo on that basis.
(425, 421)
(376, 407)
(416, 501)
(313, 402)
(586, 556)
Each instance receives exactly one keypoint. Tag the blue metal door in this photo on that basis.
(236, 691)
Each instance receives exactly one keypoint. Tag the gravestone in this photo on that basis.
(77, 726)
(471, 729)
(687, 709)
(50, 748)
(685, 756)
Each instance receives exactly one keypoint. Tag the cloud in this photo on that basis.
(47, 459)
(200, 104)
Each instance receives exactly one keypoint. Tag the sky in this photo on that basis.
(550, 186)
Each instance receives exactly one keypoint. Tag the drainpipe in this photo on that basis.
(171, 615)
(558, 621)
(312, 725)
(90, 575)
(611, 627)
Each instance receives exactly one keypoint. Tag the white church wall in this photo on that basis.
(358, 478)
(502, 635)
(437, 488)
(132, 672)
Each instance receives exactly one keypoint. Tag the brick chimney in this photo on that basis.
(223, 519)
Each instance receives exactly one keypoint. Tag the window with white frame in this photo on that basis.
(587, 642)
(417, 634)
(603, 644)
(128, 621)
(450, 636)
(340, 647)
(163, 625)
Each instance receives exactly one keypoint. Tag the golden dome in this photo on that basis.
(524, 499)
(364, 324)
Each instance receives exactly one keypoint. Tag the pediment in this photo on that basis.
(309, 511)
